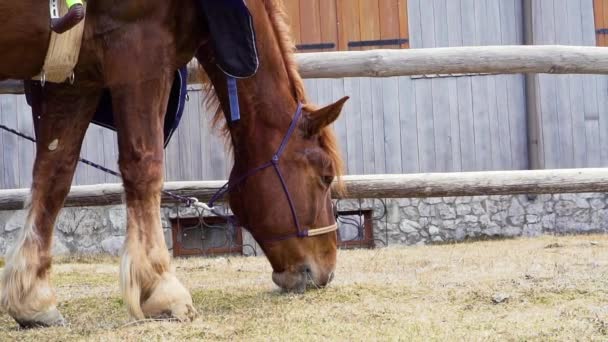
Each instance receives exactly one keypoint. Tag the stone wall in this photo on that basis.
(396, 221)
(93, 230)
(422, 221)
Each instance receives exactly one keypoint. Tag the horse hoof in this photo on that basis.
(170, 300)
(182, 314)
(51, 318)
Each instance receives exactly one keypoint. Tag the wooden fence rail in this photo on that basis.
(504, 59)
(373, 186)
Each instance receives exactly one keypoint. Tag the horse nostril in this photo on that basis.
(305, 268)
(331, 277)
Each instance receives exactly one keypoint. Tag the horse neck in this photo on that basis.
(267, 106)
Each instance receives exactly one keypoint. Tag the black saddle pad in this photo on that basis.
(232, 36)
(175, 108)
(104, 115)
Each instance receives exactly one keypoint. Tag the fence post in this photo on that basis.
(535, 161)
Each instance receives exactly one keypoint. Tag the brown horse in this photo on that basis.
(133, 48)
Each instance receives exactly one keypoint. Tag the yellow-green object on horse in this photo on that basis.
(73, 2)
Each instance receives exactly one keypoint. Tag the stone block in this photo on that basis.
(463, 209)
(433, 200)
(463, 200)
(516, 220)
(407, 226)
(16, 221)
(532, 218)
(548, 221)
(118, 218)
(410, 213)
(446, 212)
(425, 210)
(578, 200)
(393, 212)
(404, 202)
(491, 206)
(599, 220)
(449, 200)
(565, 208)
(535, 208)
(597, 203)
(113, 245)
(515, 208)
(471, 219)
(449, 224)
(477, 208)
(582, 216)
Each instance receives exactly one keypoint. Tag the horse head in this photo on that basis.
(285, 157)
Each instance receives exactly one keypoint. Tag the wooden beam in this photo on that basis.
(550, 59)
(372, 186)
(11, 87)
(478, 183)
(506, 59)
(533, 119)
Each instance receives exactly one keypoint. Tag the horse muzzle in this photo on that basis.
(306, 277)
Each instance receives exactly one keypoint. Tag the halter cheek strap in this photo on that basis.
(274, 163)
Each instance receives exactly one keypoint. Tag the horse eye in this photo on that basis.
(327, 180)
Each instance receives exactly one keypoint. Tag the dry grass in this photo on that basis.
(556, 288)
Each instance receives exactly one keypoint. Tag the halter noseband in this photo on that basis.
(274, 163)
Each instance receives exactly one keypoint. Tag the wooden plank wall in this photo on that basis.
(573, 108)
(196, 151)
(17, 154)
(338, 23)
(405, 124)
(402, 124)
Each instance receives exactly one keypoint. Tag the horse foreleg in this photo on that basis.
(27, 294)
(149, 286)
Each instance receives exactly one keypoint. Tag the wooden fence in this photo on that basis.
(371, 186)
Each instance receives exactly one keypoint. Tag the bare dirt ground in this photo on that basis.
(548, 288)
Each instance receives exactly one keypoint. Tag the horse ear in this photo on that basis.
(323, 117)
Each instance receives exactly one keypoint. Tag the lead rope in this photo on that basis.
(188, 201)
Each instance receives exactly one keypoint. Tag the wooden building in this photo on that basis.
(426, 123)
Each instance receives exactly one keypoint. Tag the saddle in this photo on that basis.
(232, 36)
(233, 40)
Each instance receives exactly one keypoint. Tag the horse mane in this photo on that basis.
(278, 18)
(328, 141)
